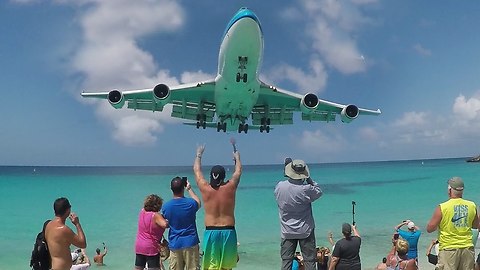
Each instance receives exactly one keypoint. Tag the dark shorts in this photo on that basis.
(142, 260)
(433, 259)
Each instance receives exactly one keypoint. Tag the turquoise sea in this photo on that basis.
(107, 201)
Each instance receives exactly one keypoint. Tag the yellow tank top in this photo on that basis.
(455, 229)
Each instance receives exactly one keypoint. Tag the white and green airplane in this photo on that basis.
(227, 101)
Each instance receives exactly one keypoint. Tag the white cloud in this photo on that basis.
(332, 26)
(364, 2)
(24, 1)
(419, 132)
(369, 133)
(319, 142)
(135, 130)
(421, 50)
(312, 81)
(467, 109)
(189, 77)
(411, 120)
(110, 58)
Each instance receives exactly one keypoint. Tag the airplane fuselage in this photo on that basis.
(237, 84)
(236, 93)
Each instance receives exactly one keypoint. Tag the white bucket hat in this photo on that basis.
(297, 169)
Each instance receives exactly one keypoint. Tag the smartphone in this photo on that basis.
(395, 236)
(184, 181)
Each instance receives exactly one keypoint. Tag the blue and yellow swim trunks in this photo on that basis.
(220, 248)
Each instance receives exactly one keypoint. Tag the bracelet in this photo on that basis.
(199, 156)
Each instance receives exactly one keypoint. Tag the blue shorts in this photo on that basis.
(220, 248)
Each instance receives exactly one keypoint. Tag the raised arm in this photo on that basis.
(238, 169)
(105, 250)
(314, 191)
(193, 195)
(197, 167)
(355, 231)
(330, 239)
(391, 256)
(401, 224)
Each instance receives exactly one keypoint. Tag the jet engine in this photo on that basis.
(161, 92)
(349, 113)
(161, 95)
(116, 99)
(309, 103)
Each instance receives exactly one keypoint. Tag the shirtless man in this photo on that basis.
(220, 238)
(98, 258)
(59, 236)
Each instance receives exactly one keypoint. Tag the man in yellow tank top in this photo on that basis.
(454, 220)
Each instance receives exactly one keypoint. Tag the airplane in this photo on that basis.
(236, 93)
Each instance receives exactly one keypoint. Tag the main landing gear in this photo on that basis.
(265, 125)
(221, 126)
(201, 121)
(243, 127)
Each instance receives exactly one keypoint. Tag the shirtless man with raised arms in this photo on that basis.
(220, 238)
(59, 236)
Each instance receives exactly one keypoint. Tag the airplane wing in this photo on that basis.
(279, 104)
(187, 99)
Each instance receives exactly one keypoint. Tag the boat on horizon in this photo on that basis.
(474, 159)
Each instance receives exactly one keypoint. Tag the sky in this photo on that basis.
(417, 61)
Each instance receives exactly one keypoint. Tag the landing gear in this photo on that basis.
(201, 120)
(265, 125)
(266, 129)
(243, 127)
(241, 74)
(221, 126)
(243, 77)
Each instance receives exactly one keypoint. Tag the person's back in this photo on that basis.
(294, 200)
(407, 264)
(412, 236)
(58, 244)
(454, 220)
(181, 213)
(59, 236)
(349, 251)
(219, 204)
(181, 216)
(98, 258)
(220, 237)
(218, 196)
(455, 228)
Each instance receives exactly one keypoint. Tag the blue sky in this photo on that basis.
(418, 61)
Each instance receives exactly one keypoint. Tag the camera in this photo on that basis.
(184, 181)
(395, 236)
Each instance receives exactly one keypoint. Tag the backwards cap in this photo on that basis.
(217, 175)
